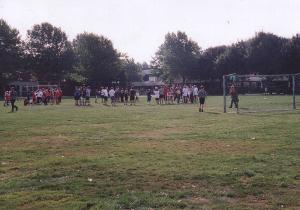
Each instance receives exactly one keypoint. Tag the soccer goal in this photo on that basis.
(260, 93)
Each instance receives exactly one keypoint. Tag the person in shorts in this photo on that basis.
(234, 97)
(126, 93)
(7, 98)
(77, 96)
(132, 94)
(13, 98)
(148, 93)
(202, 95)
(112, 93)
(105, 95)
(156, 95)
(87, 96)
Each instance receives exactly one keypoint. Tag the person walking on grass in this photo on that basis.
(234, 97)
(202, 95)
(13, 98)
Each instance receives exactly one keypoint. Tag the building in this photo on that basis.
(149, 80)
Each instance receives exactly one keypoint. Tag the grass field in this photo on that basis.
(149, 157)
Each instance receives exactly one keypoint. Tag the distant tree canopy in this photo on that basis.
(11, 53)
(48, 56)
(49, 52)
(96, 59)
(265, 53)
(177, 56)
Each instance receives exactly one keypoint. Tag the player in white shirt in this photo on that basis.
(112, 96)
(105, 95)
(195, 93)
(156, 95)
(185, 92)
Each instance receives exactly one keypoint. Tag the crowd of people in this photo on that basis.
(39, 96)
(44, 96)
(127, 96)
(168, 94)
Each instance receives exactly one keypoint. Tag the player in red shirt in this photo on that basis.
(7, 98)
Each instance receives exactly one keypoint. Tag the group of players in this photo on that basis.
(128, 96)
(38, 96)
(168, 94)
(44, 96)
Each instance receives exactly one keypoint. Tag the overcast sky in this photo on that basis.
(138, 27)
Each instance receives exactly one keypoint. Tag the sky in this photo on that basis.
(138, 27)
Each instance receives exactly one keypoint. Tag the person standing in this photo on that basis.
(13, 98)
(7, 98)
(156, 95)
(132, 93)
(126, 96)
(202, 95)
(105, 95)
(148, 93)
(195, 93)
(234, 97)
(185, 92)
(77, 96)
(112, 93)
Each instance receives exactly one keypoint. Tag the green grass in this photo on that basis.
(149, 156)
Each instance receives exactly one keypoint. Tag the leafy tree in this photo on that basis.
(177, 56)
(232, 60)
(291, 53)
(49, 51)
(207, 63)
(10, 53)
(265, 54)
(131, 70)
(96, 58)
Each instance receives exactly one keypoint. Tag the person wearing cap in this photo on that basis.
(202, 95)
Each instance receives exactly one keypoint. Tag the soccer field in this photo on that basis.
(150, 156)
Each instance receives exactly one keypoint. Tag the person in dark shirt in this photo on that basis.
(148, 96)
(132, 96)
(13, 99)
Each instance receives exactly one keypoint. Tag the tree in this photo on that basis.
(10, 53)
(96, 59)
(177, 56)
(265, 54)
(232, 60)
(50, 53)
(207, 63)
(291, 51)
(131, 70)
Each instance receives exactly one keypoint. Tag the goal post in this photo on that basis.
(259, 93)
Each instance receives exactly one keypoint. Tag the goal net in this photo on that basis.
(261, 93)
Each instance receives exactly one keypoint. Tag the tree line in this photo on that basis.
(47, 55)
(179, 57)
